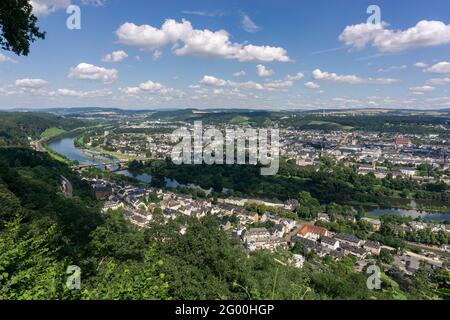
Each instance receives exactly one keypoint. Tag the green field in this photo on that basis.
(52, 132)
(329, 124)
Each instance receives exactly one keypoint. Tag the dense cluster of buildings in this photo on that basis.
(141, 204)
(365, 149)
(323, 242)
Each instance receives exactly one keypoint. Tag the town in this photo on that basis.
(143, 205)
(421, 157)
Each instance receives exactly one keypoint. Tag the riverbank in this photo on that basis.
(80, 143)
(66, 148)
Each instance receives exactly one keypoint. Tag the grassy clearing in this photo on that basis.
(329, 124)
(52, 132)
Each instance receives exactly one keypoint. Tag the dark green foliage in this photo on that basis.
(18, 26)
(330, 183)
(16, 127)
(42, 233)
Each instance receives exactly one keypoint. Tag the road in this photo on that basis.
(66, 187)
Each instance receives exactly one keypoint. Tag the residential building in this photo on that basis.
(374, 222)
(312, 232)
(348, 239)
(373, 247)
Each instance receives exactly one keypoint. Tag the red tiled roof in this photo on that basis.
(309, 228)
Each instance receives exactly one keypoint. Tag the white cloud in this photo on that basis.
(131, 90)
(438, 81)
(69, 93)
(441, 67)
(327, 76)
(263, 71)
(424, 34)
(152, 87)
(422, 89)
(86, 71)
(239, 73)
(4, 58)
(213, 81)
(248, 24)
(189, 41)
(157, 54)
(298, 76)
(31, 83)
(116, 56)
(392, 68)
(64, 92)
(276, 85)
(312, 85)
(350, 79)
(420, 65)
(45, 7)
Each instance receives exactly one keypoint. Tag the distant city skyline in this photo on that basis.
(275, 55)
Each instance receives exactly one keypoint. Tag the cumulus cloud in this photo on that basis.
(213, 81)
(157, 54)
(276, 85)
(115, 56)
(4, 58)
(327, 76)
(186, 40)
(64, 92)
(298, 76)
(311, 85)
(86, 71)
(441, 67)
(420, 65)
(45, 7)
(424, 34)
(239, 73)
(152, 87)
(31, 83)
(350, 79)
(422, 89)
(248, 24)
(263, 71)
(438, 81)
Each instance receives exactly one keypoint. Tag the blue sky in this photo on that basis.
(261, 54)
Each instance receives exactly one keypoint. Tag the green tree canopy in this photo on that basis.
(18, 26)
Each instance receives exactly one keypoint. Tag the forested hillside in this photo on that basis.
(42, 232)
(16, 127)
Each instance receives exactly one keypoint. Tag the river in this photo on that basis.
(66, 147)
(413, 214)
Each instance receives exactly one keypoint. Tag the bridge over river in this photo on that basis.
(111, 166)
